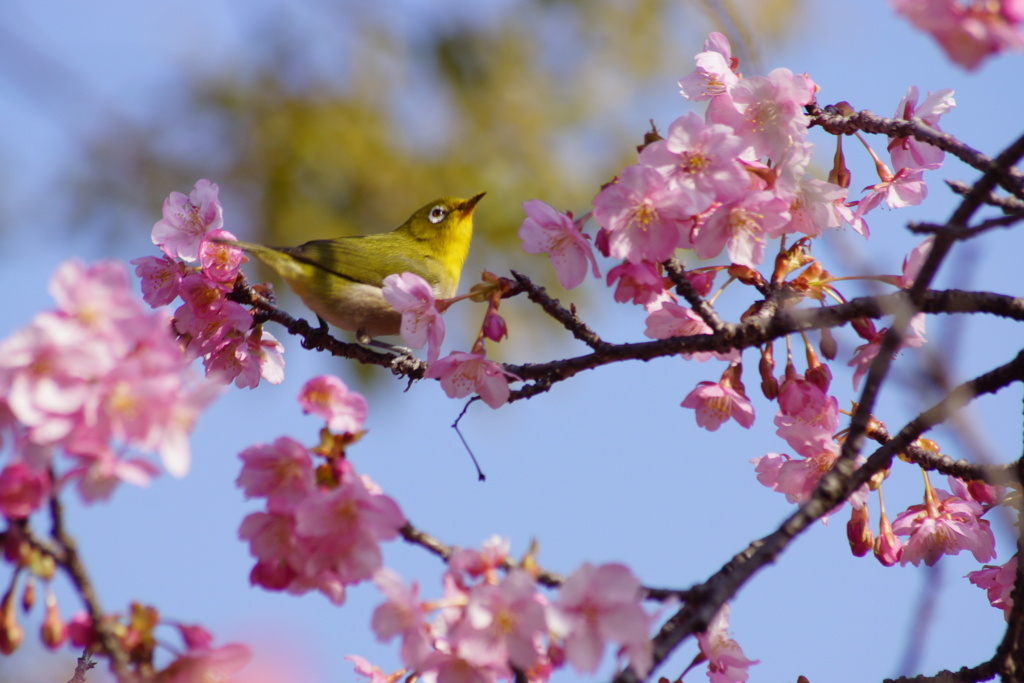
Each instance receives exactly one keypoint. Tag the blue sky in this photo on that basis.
(606, 467)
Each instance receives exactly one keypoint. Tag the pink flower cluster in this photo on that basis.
(807, 420)
(968, 31)
(99, 380)
(323, 525)
(487, 626)
(945, 524)
(212, 326)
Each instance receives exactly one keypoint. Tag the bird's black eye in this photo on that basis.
(437, 214)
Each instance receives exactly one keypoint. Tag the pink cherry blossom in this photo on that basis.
(326, 396)
(503, 624)
(347, 512)
(97, 297)
(220, 262)
(816, 207)
(673, 320)
(767, 112)
(207, 318)
(247, 359)
(96, 474)
(600, 604)
(795, 477)
(281, 472)
(546, 231)
(645, 219)
(371, 672)
(482, 563)
(908, 152)
(742, 228)
(998, 584)
(187, 219)
(716, 402)
(22, 490)
(402, 615)
(161, 278)
(99, 378)
(943, 524)
(913, 261)
(726, 661)
(462, 373)
(640, 283)
(413, 297)
(967, 32)
(451, 667)
(715, 72)
(888, 548)
(905, 188)
(207, 664)
(866, 353)
(701, 161)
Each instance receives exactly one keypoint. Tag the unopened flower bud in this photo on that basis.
(888, 549)
(828, 346)
(28, 596)
(54, 630)
(766, 366)
(858, 531)
(11, 633)
(494, 327)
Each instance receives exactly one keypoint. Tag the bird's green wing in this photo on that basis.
(367, 260)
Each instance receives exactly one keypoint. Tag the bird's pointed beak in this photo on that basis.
(470, 204)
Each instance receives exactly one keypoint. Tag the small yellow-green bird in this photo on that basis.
(341, 279)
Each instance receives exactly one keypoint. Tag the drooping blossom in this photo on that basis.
(909, 152)
(943, 524)
(906, 187)
(796, 478)
(716, 402)
(462, 374)
(865, 353)
(913, 261)
(888, 548)
(998, 584)
(726, 661)
(326, 396)
(186, 219)
(600, 604)
(546, 231)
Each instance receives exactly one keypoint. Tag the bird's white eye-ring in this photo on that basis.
(437, 214)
